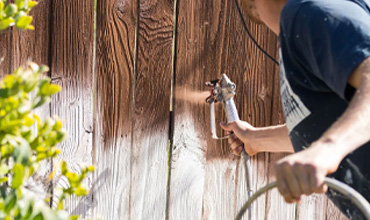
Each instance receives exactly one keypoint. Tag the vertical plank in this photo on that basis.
(152, 107)
(190, 136)
(5, 52)
(333, 213)
(72, 41)
(312, 207)
(34, 46)
(224, 45)
(113, 114)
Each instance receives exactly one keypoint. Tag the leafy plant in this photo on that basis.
(16, 14)
(26, 140)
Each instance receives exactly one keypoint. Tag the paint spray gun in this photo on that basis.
(223, 90)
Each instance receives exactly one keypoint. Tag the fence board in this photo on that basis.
(5, 52)
(72, 37)
(190, 134)
(126, 136)
(152, 107)
(312, 207)
(113, 114)
(333, 213)
(34, 46)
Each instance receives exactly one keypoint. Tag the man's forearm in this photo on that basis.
(352, 129)
(272, 139)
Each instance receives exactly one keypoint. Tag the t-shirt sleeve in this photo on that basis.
(330, 39)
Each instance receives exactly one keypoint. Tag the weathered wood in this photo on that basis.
(115, 61)
(152, 110)
(72, 40)
(333, 213)
(210, 42)
(312, 207)
(190, 129)
(27, 45)
(276, 207)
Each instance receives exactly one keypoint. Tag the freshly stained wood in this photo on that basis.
(113, 113)
(5, 52)
(190, 134)
(149, 153)
(72, 35)
(127, 134)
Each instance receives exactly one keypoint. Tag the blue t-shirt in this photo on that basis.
(321, 43)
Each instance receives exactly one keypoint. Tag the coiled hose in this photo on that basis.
(336, 185)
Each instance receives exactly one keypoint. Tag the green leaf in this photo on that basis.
(74, 217)
(91, 168)
(1, 5)
(3, 179)
(5, 23)
(27, 211)
(41, 156)
(18, 170)
(23, 22)
(39, 101)
(81, 191)
(22, 153)
(32, 4)
(10, 201)
(63, 167)
(43, 69)
(58, 125)
(4, 169)
(38, 217)
(6, 150)
(19, 3)
(10, 10)
(50, 89)
(72, 177)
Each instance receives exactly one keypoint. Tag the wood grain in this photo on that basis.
(27, 45)
(72, 37)
(118, 114)
(5, 52)
(191, 131)
(312, 207)
(333, 212)
(113, 114)
(152, 110)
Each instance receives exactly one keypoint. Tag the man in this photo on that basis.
(325, 89)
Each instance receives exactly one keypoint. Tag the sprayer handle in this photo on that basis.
(230, 110)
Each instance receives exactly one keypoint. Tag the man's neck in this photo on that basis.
(269, 12)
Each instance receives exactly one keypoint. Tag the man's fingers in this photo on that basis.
(232, 138)
(227, 126)
(291, 181)
(235, 144)
(304, 180)
(317, 183)
(284, 189)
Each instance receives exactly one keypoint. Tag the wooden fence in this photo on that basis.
(153, 152)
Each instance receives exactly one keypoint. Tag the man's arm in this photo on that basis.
(255, 140)
(304, 172)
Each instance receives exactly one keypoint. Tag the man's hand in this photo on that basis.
(255, 140)
(305, 172)
(243, 134)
